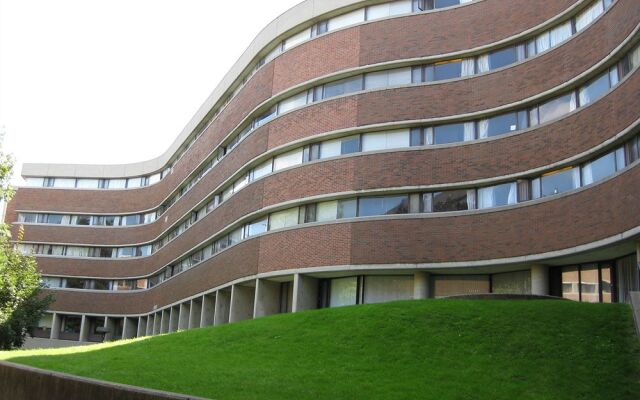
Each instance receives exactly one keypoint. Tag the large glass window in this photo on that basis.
(445, 70)
(369, 206)
(350, 145)
(262, 169)
(571, 283)
(557, 107)
(344, 292)
(589, 284)
(452, 200)
(560, 181)
(589, 15)
(500, 58)
(257, 227)
(496, 196)
(599, 169)
(380, 289)
(502, 124)
(594, 89)
(347, 208)
(284, 219)
(451, 133)
(390, 78)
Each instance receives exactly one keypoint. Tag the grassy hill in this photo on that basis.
(435, 349)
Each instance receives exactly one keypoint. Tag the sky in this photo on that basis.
(114, 81)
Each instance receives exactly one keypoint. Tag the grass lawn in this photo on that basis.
(434, 349)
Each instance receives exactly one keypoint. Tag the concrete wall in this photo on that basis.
(26, 383)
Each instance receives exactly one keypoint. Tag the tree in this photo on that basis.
(22, 303)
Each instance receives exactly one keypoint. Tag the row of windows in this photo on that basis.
(430, 135)
(94, 284)
(503, 194)
(91, 183)
(432, 72)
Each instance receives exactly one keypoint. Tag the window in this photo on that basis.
(76, 283)
(296, 39)
(129, 220)
(380, 289)
(502, 124)
(445, 70)
(155, 178)
(388, 9)
(264, 118)
(384, 79)
(347, 19)
(83, 220)
(235, 236)
(117, 183)
(416, 137)
(350, 145)
(594, 89)
(560, 33)
(126, 252)
(453, 133)
(343, 292)
(311, 152)
(101, 284)
(87, 183)
(240, 183)
(385, 140)
(308, 213)
(556, 108)
(347, 208)
(262, 169)
(283, 219)
(496, 196)
(287, 160)
(453, 200)
(599, 169)
(256, 227)
(369, 206)
(149, 217)
(34, 182)
(64, 183)
(589, 15)
(559, 181)
(135, 182)
(292, 103)
(28, 218)
(327, 211)
(341, 87)
(111, 220)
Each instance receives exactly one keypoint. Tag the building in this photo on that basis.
(359, 152)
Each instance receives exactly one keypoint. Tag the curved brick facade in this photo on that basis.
(524, 245)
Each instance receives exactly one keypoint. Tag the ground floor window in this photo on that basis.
(591, 283)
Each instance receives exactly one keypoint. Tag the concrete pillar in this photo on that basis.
(129, 327)
(84, 329)
(183, 317)
(195, 313)
(164, 321)
(142, 327)
(111, 327)
(174, 315)
(267, 300)
(223, 303)
(56, 326)
(540, 280)
(305, 293)
(242, 298)
(208, 309)
(157, 323)
(420, 285)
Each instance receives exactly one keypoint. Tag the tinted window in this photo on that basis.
(448, 70)
(350, 145)
(342, 87)
(83, 220)
(448, 133)
(347, 208)
(500, 58)
(75, 283)
(559, 182)
(556, 108)
(594, 89)
(502, 124)
(383, 205)
(455, 200)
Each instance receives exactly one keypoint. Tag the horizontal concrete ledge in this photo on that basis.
(635, 307)
(20, 382)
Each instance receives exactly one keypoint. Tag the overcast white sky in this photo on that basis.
(114, 81)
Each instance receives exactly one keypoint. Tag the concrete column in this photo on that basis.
(110, 325)
(183, 317)
(208, 310)
(305, 293)
(174, 315)
(267, 300)
(142, 327)
(55, 326)
(420, 285)
(223, 303)
(195, 313)
(129, 328)
(164, 321)
(242, 298)
(540, 280)
(84, 329)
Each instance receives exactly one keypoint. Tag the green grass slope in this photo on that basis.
(436, 349)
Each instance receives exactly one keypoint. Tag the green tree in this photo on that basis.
(22, 303)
